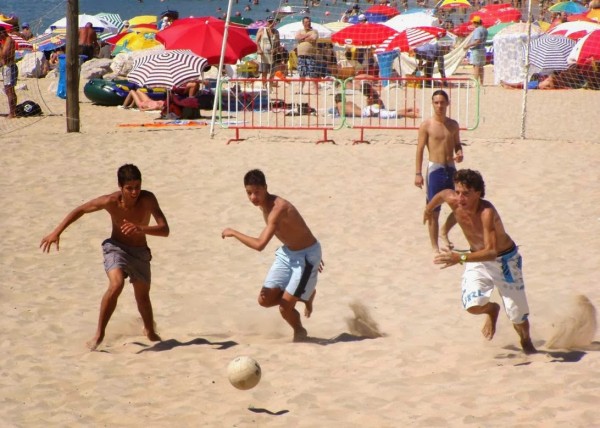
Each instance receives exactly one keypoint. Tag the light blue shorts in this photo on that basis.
(477, 57)
(506, 273)
(295, 271)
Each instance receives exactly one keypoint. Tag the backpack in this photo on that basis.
(28, 108)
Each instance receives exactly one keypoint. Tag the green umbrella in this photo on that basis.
(241, 20)
(493, 30)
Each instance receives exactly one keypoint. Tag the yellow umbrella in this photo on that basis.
(453, 4)
(594, 14)
(135, 42)
(336, 25)
(142, 19)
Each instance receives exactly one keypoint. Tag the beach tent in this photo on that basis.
(509, 52)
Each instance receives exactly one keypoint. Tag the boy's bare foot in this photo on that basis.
(489, 328)
(528, 347)
(152, 336)
(309, 305)
(95, 342)
(300, 335)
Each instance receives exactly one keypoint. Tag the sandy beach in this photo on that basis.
(431, 367)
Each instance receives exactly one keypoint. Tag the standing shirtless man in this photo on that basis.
(293, 275)
(126, 252)
(10, 71)
(88, 41)
(441, 136)
(494, 259)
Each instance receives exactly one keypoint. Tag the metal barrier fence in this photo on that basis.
(327, 105)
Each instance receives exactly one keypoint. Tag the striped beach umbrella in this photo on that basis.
(568, 7)
(587, 50)
(113, 21)
(167, 69)
(548, 53)
(410, 38)
(20, 42)
(575, 29)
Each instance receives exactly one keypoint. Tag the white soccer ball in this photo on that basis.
(243, 372)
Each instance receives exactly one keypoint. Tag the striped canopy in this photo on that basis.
(410, 38)
(548, 53)
(167, 69)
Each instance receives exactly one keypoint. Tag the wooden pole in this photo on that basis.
(72, 66)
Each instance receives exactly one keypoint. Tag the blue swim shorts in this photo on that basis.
(295, 271)
(307, 66)
(439, 177)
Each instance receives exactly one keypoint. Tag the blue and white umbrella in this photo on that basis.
(549, 53)
(167, 69)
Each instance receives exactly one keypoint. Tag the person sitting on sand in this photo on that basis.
(493, 260)
(293, 276)
(126, 252)
(142, 101)
(371, 110)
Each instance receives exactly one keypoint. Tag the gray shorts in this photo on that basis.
(10, 74)
(134, 261)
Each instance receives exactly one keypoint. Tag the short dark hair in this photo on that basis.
(470, 179)
(255, 177)
(128, 172)
(442, 93)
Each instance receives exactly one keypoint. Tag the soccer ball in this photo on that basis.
(243, 372)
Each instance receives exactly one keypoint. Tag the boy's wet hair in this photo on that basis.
(255, 177)
(470, 179)
(128, 172)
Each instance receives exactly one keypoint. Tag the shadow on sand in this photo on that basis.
(343, 337)
(167, 345)
(268, 412)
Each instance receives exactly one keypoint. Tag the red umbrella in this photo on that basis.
(587, 49)
(204, 36)
(410, 38)
(496, 13)
(382, 9)
(363, 34)
(464, 29)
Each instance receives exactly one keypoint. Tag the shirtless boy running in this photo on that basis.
(293, 275)
(126, 252)
(441, 136)
(494, 259)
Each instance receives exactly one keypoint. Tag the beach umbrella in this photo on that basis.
(453, 4)
(241, 20)
(204, 36)
(410, 38)
(167, 69)
(336, 25)
(382, 9)
(49, 41)
(83, 19)
(20, 42)
(574, 29)
(411, 20)
(496, 13)
(369, 17)
(593, 14)
(363, 35)
(135, 41)
(568, 7)
(586, 50)
(548, 53)
(142, 19)
(289, 31)
(495, 29)
(142, 28)
(113, 20)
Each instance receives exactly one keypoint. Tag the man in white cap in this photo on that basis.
(477, 46)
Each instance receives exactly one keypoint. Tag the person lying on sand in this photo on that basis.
(142, 101)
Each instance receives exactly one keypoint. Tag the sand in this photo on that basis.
(418, 360)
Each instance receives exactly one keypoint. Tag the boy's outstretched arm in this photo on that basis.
(89, 207)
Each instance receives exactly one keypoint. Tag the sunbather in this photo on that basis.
(142, 101)
(372, 110)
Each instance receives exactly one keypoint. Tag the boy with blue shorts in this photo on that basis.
(494, 259)
(441, 136)
(293, 275)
